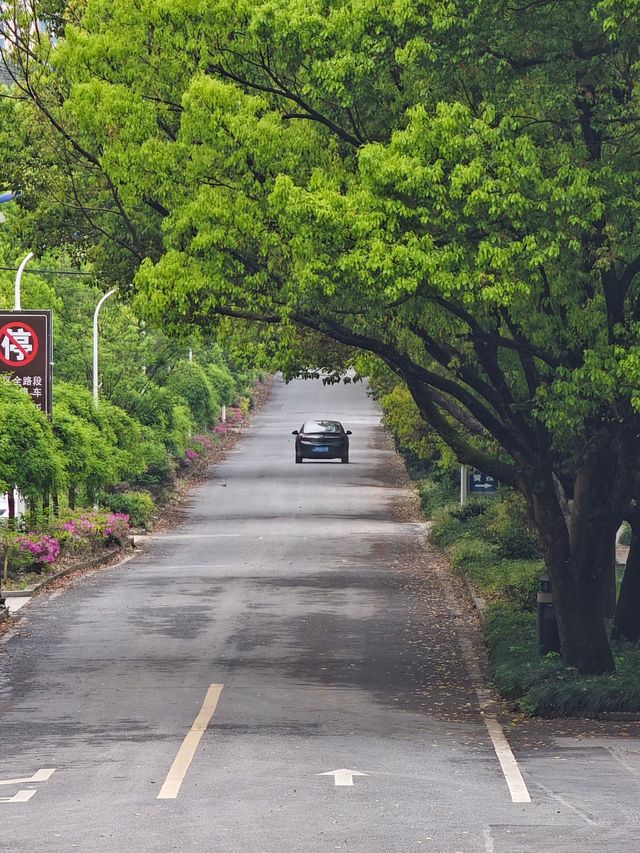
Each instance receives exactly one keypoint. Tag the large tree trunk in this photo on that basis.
(578, 559)
(626, 623)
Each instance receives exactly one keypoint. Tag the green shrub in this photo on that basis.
(160, 471)
(223, 384)
(445, 528)
(453, 521)
(512, 581)
(510, 528)
(543, 686)
(520, 582)
(512, 643)
(152, 406)
(189, 381)
(139, 506)
(436, 492)
(474, 508)
(29, 452)
(472, 556)
(177, 438)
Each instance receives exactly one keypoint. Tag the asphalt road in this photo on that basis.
(293, 625)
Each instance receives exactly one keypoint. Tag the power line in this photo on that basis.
(50, 272)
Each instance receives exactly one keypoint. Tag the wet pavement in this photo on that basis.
(337, 639)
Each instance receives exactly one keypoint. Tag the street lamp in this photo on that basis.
(16, 293)
(95, 345)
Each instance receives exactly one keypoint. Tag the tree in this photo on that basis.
(29, 453)
(452, 187)
(188, 381)
(89, 457)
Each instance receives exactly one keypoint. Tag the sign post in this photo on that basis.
(26, 350)
(464, 484)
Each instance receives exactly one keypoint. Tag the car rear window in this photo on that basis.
(321, 426)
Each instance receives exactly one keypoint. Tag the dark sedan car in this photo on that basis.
(322, 440)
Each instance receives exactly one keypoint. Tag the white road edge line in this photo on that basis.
(510, 769)
(183, 759)
(508, 764)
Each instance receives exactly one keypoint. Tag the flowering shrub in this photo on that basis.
(117, 528)
(221, 429)
(40, 548)
(92, 530)
(235, 415)
(191, 454)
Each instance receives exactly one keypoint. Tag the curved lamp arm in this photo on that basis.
(16, 293)
(95, 344)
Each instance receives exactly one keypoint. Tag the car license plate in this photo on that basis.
(322, 449)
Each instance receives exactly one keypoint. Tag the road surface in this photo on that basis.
(290, 669)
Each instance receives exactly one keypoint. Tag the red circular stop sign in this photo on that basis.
(18, 344)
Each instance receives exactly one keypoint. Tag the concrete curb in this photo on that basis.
(93, 563)
(478, 601)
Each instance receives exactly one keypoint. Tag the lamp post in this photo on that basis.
(16, 292)
(95, 344)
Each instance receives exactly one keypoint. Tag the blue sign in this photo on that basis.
(482, 484)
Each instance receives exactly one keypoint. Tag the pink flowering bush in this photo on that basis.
(90, 531)
(40, 549)
(235, 415)
(191, 454)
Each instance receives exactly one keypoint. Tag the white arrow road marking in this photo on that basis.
(20, 797)
(38, 776)
(183, 759)
(344, 776)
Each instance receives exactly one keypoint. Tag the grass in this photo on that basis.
(542, 686)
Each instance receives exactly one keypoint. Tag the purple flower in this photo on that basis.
(43, 548)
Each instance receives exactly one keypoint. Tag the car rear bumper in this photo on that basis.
(310, 451)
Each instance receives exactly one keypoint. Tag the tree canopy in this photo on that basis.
(452, 186)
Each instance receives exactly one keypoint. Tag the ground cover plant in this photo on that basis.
(491, 544)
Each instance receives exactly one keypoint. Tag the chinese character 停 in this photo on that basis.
(16, 344)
